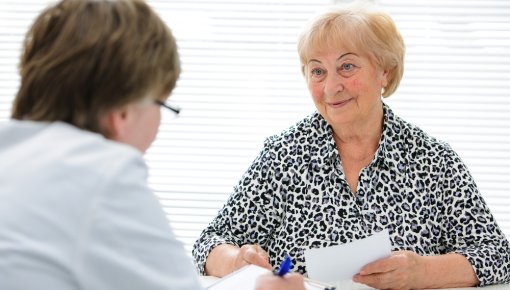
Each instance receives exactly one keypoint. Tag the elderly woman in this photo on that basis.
(354, 168)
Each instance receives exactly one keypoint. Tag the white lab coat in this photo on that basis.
(76, 213)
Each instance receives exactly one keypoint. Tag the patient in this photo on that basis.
(354, 168)
(75, 208)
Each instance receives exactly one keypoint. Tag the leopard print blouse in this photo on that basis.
(295, 196)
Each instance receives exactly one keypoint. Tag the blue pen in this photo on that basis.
(285, 266)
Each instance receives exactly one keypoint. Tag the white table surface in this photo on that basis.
(209, 280)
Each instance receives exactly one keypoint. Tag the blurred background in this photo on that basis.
(241, 83)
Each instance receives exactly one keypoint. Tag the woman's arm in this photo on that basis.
(469, 228)
(245, 222)
(476, 251)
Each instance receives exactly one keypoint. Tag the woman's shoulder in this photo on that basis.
(414, 137)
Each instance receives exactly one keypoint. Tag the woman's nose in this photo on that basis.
(334, 84)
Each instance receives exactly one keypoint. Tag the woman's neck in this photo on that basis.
(360, 138)
(357, 144)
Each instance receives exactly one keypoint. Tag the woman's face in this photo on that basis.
(345, 85)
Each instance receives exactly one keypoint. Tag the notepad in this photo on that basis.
(246, 277)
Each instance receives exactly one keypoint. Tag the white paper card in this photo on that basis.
(342, 262)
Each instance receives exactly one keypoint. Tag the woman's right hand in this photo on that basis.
(225, 259)
(291, 281)
(251, 254)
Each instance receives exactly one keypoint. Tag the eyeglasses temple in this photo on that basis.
(172, 108)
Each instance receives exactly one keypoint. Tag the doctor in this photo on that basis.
(75, 208)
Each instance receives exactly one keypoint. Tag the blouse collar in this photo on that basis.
(389, 153)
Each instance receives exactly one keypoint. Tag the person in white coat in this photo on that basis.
(75, 208)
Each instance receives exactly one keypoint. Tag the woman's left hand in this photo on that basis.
(401, 270)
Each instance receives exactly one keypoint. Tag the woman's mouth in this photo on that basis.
(339, 104)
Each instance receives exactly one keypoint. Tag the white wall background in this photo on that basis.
(241, 82)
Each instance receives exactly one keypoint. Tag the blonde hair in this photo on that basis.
(83, 58)
(358, 27)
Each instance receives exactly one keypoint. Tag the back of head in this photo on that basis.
(83, 58)
(362, 29)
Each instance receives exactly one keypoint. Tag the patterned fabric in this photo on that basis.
(295, 196)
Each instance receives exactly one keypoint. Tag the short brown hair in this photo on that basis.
(372, 32)
(83, 58)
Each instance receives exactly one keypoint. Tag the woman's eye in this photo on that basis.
(347, 66)
(316, 72)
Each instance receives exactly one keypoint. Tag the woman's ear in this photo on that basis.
(385, 76)
(115, 123)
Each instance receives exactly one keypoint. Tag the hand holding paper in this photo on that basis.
(399, 271)
(342, 262)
